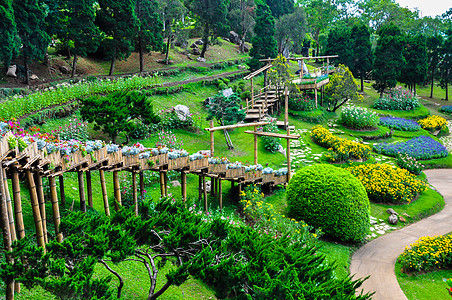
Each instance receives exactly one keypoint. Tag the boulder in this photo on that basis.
(402, 219)
(393, 219)
(196, 51)
(227, 92)
(391, 212)
(201, 59)
(182, 112)
(34, 77)
(65, 70)
(175, 183)
(181, 43)
(12, 71)
(234, 37)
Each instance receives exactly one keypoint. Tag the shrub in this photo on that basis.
(400, 124)
(75, 130)
(168, 139)
(409, 163)
(170, 120)
(301, 103)
(422, 147)
(139, 130)
(388, 184)
(433, 123)
(246, 95)
(222, 86)
(339, 149)
(358, 117)
(330, 198)
(427, 254)
(398, 99)
(446, 109)
(271, 144)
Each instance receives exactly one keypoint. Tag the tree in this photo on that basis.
(290, 31)
(264, 43)
(212, 18)
(341, 89)
(280, 7)
(415, 54)
(226, 110)
(362, 59)
(10, 44)
(118, 20)
(339, 42)
(30, 23)
(434, 48)
(81, 29)
(389, 60)
(241, 19)
(115, 112)
(149, 35)
(445, 67)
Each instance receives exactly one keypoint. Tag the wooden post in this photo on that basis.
(89, 187)
(134, 192)
(216, 186)
(252, 92)
(9, 207)
(142, 184)
(42, 205)
(36, 212)
(204, 191)
(301, 69)
(327, 64)
(200, 186)
(62, 195)
(18, 204)
(315, 93)
(260, 113)
(81, 190)
(7, 241)
(212, 186)
(117, 190)
(266, 98)
(212, 139)
(166, 183)
(55, 208)
(246, 109)
(183, 180)
(104, 192)
(286, 108)
(162, 184)
(288, 157)
(220, 193)
(255, 145)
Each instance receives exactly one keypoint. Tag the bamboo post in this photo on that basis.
(212, 138)
(18, 204)
(220, 193)
(81, 191)
(216, 186)
(255, 145)
(9, 207)
(36, 212)
(166, 183)
(162, 184)
(55, 208)
(104, 192)
(117, 190)
(204, 192)
(6, 237)
(142, 184)
(286, 121)
(266, 98)
(301, 69)
(200, 187)
(327, 64)
(134, 192)
(183, 180)
(246, 109)
(286, 108)
(315, 93)
(62, 194)
(252, 92)
(260, 113)
(42, 205)
(212, 186)
(89, 187)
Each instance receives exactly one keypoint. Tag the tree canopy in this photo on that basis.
(415, 54)
(9, 46)
(341, 89)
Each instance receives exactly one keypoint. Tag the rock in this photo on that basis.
(12, 71)
(402, 219)
(65, 70)
(393, 219)
(175, 183)
(391, 212)
(380, 232)
(199, 42)
(207, 186)
(227, 92)
(34, 77)
(246, 49)
(282, 150)
(182, 112)
(372, 229)
(181, 43)
(234, 37)
(201, 59)
(406, 215)
(196, 51)
(207, 101)
(227, 40)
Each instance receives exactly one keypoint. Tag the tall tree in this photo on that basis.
(10, 44)
(415, 54)
(445, 66)
(290, 31)
(30, 23)
(362, 59)
(212, 18)
(341, 89)
(149, 34)
(264, 43)
(119, 22)
(434, 48)
(81, 29)
(241, 19)
(389, 60)
(280, 7)
(339, 43)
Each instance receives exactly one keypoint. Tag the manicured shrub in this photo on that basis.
(358, 117)
(427, 254)
(433, 123)
(339, 149)
(398, 99)
(301, 103)
(246, 95)
(409, 163)
(446, 109)
(400, 124)
(222, 86)
(388, 184)
(330, 198)
(422, 147)
(170, 119)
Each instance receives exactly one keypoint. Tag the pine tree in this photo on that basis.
(118, 20)
(362, 57)
(30, 21)
(338, 43)
(445, 66)
(280, 7)
(415, 54)
(149, 35)
(434, 46)
(10, 45)
(264, 43)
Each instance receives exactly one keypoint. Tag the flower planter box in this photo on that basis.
(31, 150)
(114, 158)
(268, 178)
(54, 158)
(235, 173)
(100, 154)
(130, 160)
(280, 179)
(178, 163)
(154, 161)
(199, 164)
(4, 144)
(71, 160)
(217, 168)
(253, 175)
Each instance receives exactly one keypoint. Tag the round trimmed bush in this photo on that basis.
(330, 198)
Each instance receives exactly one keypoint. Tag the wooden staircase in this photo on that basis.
(262, 104)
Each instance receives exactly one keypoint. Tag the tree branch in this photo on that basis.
(121, 282)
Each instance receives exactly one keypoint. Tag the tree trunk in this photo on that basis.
(140, 46)
(414, 87)
(205, 39)
(168, 46)
(431, 85)
(27, 78)
(112, 66)
(228, 139)
(447, 92)
(74, 65)
(362, 82)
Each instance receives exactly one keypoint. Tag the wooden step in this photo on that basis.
(256, 111)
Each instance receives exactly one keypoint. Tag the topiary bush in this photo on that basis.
(330, 198)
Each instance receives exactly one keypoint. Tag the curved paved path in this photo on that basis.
(378, 257)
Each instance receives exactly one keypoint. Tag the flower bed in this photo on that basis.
(427, 254)
(432, 123)
(446, 109)
(358, 117)
(422, 147)
(409, 163)
(253, 172)
(398, 99)
(400, 124)
(198, 161)
(388, 184)
(178, 159)
(339, 149)
(234, 170)
(301, 103)
(218, 164)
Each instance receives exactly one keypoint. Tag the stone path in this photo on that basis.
(378, 257)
